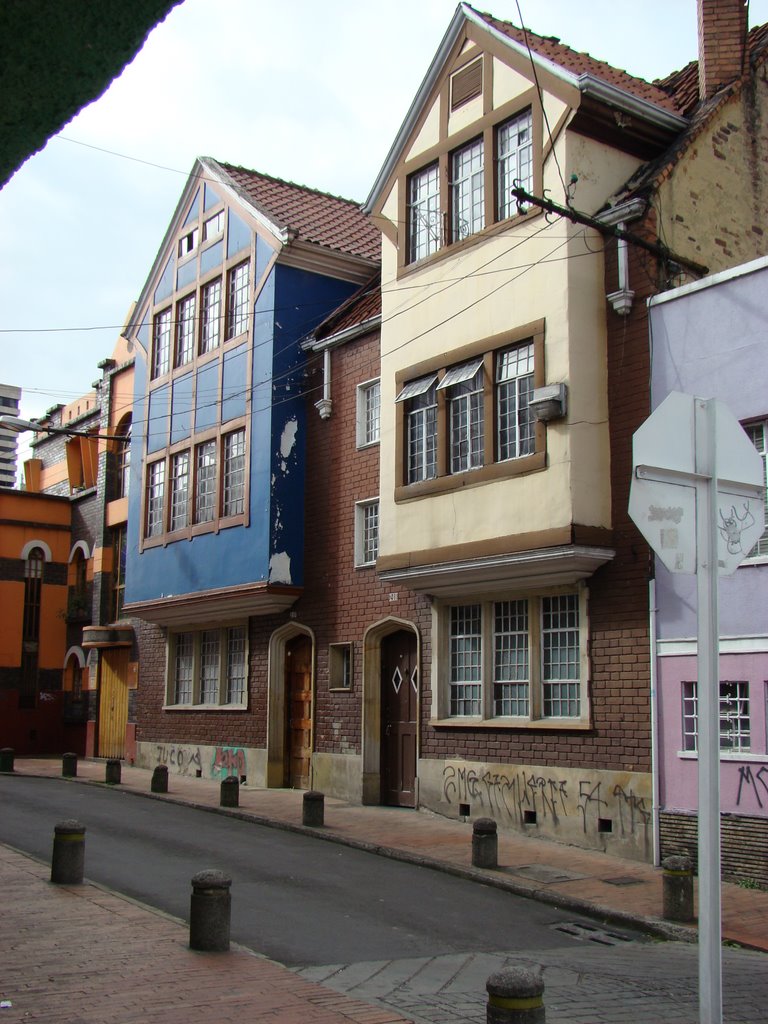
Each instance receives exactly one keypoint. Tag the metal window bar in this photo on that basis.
(735, 728)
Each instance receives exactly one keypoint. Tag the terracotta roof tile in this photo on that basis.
(362, 306)
(581, 63)
(326, 220)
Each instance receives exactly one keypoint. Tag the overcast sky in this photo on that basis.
(313, 91)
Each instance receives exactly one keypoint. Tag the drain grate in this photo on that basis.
(623, 880)
(590, 933)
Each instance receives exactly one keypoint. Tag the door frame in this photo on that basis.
(371, 727)
(277, 704)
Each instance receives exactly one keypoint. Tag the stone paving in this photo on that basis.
(86, 956)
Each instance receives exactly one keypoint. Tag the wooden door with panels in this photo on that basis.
(298, 693)
(113, 702)
(399, 715)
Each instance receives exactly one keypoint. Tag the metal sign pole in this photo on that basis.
(708, 691)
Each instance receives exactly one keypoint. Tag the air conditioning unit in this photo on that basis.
(549, 403)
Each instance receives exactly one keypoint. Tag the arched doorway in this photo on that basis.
(391, 689)
(290, 715)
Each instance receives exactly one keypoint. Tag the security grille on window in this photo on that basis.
(185, 331)
(734, 716)
(179, 491)
(237, 313)
(758, 435)
(210, 324)
(208, 667)
(464, 389)
(520, 658)
(368, 412)
(155, 498)
(514, 144)
(424, 234)
(514, 388)
(420, 398)
(467, 190)
(205, 482)
(161, 350)
(234, 474)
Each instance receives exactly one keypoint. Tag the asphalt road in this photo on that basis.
(296, 899)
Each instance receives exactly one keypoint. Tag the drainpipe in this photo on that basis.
(621, 300)
(655, 768)
(324, 405)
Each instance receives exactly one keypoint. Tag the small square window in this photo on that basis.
(213, 226)
(368, 412)
(340, 666)
(188, 243)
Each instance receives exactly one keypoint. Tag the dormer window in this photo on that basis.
(188, 243)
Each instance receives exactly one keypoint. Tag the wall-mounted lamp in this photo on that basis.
(549, 403)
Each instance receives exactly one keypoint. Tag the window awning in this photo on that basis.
(460, 374)
(414, 388)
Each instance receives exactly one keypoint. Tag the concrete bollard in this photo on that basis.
(7, 755)
(159, 783)
(677, 889)
(69, 765)
(313, 809)
(229, 792)
(68, 860)
(485, 844)
(113, 772)
(210, 912)
(515, 996)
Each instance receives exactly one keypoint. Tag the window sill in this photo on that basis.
(363, 445)
(472, 477)
(339, 689)
(725, 755)
(569, 724)
(205, 707)
(366, 565)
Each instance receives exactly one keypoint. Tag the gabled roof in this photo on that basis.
(307, 214)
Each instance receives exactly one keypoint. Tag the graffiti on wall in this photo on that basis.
(229, 761)
(753, 783)
(184, 760)
(521, 796)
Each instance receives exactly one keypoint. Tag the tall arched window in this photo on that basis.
(30, 636)
(124, 457)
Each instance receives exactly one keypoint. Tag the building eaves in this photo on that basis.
(359, 314)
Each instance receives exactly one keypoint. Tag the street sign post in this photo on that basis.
(697, 496)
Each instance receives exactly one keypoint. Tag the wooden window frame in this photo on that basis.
(223, 685)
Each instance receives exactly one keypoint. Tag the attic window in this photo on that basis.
(188, 243)
(467, 83)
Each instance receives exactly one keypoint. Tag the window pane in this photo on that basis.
(466, 660)
(209, 666)
(205, 483)
(560, 656)
(424, 213)
(758, 435)
(155, 498)
(161, 353)
(515, 161)
(372, 409)
(236, 665)
(211, 317)
(183, 668)
(466, 424)
(514, 388)
(185, 331)
(467, 190)
(734, 716)
(234, 474)
(422, 437)
(371, 532)
(510, 662)
(180, 491)
(237, 318)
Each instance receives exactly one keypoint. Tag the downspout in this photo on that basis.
(324, 405)
(656, 782)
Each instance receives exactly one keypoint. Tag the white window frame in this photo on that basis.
(210, 316)
(188, 243)
(233, 473)
(205, 509)
(366, 532)
(467, 190)
(213, 226)
(227, 678)
(758, 435)
(154, 517)
(179, 512)
(514, 159)
(368, 426)
(186, 316)
(238, 300)
(425, 234)
(734, 711)
(161, 343)
(504, 673)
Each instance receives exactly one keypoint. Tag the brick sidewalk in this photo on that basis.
(82, 955)
(582, 880)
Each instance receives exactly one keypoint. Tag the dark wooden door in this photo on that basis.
(399, 713)
(298, 690)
